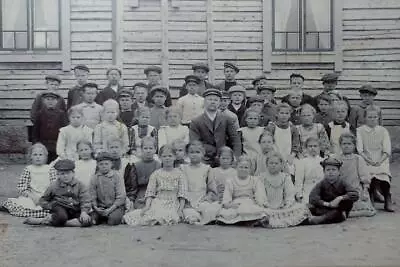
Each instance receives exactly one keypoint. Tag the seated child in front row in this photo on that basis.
(331, 199)
(165, 195)
(110, 128)
(251, 133)
(373, 144)
(243, 198)
(309, 129)
(308, 170)
(108, 193)
(200, 207)
(68, 200)
(280, 204)
(174, 130)
(140, 172)
(85, 167)
(355, 171)
(33, 182)
(226, 160)
(70, 135)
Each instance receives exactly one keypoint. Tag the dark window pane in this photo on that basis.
(21, 39)
(39, 40)
(14, 15)
(46, 15)
(53, 40)
(8, 40)
(293, 41)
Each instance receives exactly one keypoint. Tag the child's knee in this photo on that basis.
(115, 218)
(58, 219)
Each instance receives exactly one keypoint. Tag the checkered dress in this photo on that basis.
(34, 179)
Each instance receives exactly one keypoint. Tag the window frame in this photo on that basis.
(302, 29)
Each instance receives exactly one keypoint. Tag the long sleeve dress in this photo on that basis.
(250, 196)
(67, 139)
(201, 192)
(220, 175)
(308, 172)
(34, 180)
(282, 209)
(166, 188)
(355, 171)
(374, 142)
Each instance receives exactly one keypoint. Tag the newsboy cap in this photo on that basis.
(225, 95)
(91, 85)
(212, 91)
(368, 89)
(329, 77)
(267, 87)
(331, 161)
(159, 88)
(53, 77)
(255, 99)
(192, 78)
(259, 78)
(82, 67)
(152, 68)
(104, 156)
(200, 65)
(64, 165)
(237, 88)
(50, 94)
(232, 66)
(124, 93)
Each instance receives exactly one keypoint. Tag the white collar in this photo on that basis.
(212, 115)
(236, 107)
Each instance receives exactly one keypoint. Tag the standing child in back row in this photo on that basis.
(238, 102)
(190, 105)
(230, 71)
(91, 110)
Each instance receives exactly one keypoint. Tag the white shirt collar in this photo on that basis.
(212, 115)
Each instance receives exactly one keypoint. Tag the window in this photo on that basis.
(302, 25)
(30, 25)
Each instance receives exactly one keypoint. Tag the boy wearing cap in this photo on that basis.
(47, 124)
(200, 70)
(214, 129)
(108, 193)
(332, 198)
(258, 81)
(296, 84)
(153, 75)
(52, 84)
(67, 199)
(367, 95)
(192, 104)
(158, 112)
(267, 92)
(91, 110)
(230, 71)
(238, 102)
(126, 114)
(111, 90)
(81, 73)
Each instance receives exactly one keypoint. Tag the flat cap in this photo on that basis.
(82, 67)
(159, 88)
(114, 68)
(139, 84)
(368, 89)
(232, 66)
(331, 161)
(91, 85)
(225, 95)
(104, 156)
(124, 93)
(212, 91)
(50, 94)
(192, 78)
(255, 99)
(53, 77)
(259, 78)
(200, 65)
(64, 165)
(296, 75)
(152, 68)
(330, 77)
(267, 87)
(237, 88)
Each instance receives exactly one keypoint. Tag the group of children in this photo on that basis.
(126, 156)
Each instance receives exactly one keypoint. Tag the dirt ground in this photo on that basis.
(356, 242)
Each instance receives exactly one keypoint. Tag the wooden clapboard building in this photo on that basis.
(359, 39)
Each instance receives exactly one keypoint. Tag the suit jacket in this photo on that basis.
(215, 135)
(107, 93)
(239, 113)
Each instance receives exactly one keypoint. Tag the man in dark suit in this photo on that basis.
(214, 129)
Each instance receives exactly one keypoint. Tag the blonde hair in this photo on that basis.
(111, 103)
(266, 133)
(244, 158)
(275, 154)
(37, 146)
(76, 109)
(282, 106)
(308, 107)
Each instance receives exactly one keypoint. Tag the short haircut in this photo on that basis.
(250, 111)
(195, 143)
(114, 68)
(264, 134)
(296, 75)
(340, 104)
(294, 93)
(308, 107)
(142, 85)
(111, 103)
(311, 139)
(275, 154)
(371, 108)
(142, 110)
(90, 85)
(37, 146)
(166, 148)
(74, 109)
(148, 139)
(283, 106)
(348, 135)
(88, 143)
(226, 149)
(323, 97)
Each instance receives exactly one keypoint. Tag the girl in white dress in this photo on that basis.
(174, 130)
(70, 135)
(251, 133)
(85, 167)
(308, 170)
(33, 182)
(280, 204)
(373, 144)
(200, 207)
(225, 171)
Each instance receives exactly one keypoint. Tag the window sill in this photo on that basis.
(303, 57)
(30, 56)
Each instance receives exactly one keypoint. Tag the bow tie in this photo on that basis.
(343, 124)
